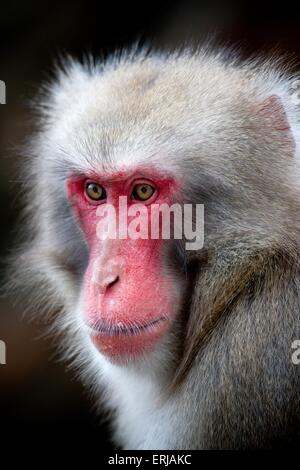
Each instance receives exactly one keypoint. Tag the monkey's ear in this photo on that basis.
(272, 109)
(276, 119)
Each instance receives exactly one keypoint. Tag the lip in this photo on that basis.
(115, 330)
(120, 342)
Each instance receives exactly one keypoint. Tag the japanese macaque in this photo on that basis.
(189, 348)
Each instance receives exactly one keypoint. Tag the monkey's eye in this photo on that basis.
(95, 191)
(142, 191)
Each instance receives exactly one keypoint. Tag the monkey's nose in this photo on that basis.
(107, 282)
(106, 275)
(111, 281)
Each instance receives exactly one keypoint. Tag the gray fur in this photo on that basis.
(201, 116)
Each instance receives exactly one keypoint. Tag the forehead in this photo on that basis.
(145, 113)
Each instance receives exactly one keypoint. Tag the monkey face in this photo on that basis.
(130, 295)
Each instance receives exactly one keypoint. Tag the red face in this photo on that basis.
(129, 297)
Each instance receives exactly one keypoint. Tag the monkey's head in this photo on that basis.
(146, 131)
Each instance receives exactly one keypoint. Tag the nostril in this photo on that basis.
(113, 282)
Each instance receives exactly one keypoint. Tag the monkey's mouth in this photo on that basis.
(119, 340)
(117, 329)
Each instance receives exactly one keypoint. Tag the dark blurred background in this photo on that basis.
(37, 393)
